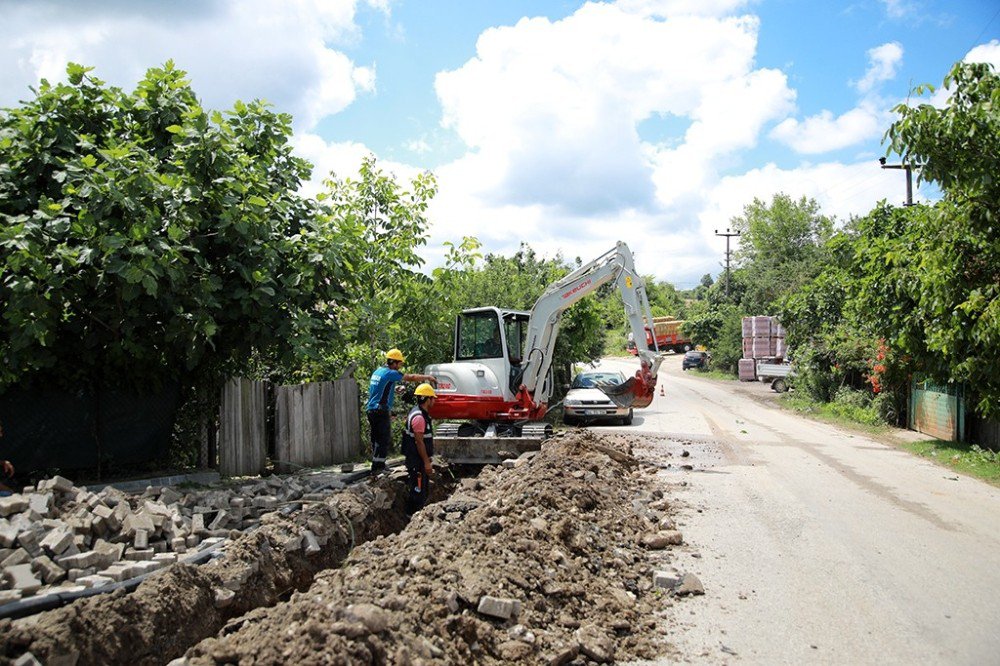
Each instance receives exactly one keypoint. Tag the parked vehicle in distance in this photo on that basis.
(668, 336)
(695, 359)
(585, 402)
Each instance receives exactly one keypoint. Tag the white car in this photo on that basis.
(586, 402)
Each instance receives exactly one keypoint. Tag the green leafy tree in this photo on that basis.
(950, 253)
(781, 248)
(143, 237)
(379, 226)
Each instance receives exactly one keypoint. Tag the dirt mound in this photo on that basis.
(539, 562)
(178, 607)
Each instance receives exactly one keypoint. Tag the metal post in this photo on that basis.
(728, 235)
(909, 178)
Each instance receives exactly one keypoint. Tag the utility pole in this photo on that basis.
(729, 234)
(909, 178)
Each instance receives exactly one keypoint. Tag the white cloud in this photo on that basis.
(989, 53)
(898, 9)
(554, 106)
(342, 159)
(842, 190)
(232, 49)
(823, 132)
(883, 62)
(671, 8)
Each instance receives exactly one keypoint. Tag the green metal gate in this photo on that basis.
(938, 410)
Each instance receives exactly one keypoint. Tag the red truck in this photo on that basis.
(668, 336)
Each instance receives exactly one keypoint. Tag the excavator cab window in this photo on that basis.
(478, 336)
(516, 329)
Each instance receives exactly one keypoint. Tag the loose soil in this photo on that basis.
(569, 536)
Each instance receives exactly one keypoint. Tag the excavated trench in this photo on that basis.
(175, 609)
(556, 560)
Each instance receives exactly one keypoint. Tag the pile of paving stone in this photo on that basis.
(58, 538)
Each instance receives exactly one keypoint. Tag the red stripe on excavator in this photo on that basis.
(479, 408)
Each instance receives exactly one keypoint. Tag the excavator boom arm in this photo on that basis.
(618, 266)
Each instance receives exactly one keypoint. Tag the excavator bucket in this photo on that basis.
(635, 391)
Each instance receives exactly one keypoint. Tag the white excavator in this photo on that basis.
(499, 384)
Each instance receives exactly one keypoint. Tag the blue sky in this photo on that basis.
(567, 125)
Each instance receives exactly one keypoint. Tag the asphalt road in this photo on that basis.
(817, 545)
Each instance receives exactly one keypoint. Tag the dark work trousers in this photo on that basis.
(419, 484)
(381, 434)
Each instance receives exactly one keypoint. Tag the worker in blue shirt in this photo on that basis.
(380, 396)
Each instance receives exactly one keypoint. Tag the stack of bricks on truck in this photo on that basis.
(765, 354)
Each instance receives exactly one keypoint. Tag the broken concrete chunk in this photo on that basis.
(94, 581)
(19, 556)
(169, 496)
(690, 584)
(57, 541)
(595, 643)
(41, 502)
(665, 580)
(220, 520)
(223, 597)
(565, 655)
(661, 540)
(110, 552)
(60, 483)
(374, 618)
(141, 540)
(498, 607)
(74, 575)
(137, 521)
(139, 555)
(49, 570)
(8, 534)
(310, 542)
(540, 524)
(13, 504)
(21, 577)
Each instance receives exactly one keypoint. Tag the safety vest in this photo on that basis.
(409, 444)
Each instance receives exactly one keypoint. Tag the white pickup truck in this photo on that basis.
(776, 373)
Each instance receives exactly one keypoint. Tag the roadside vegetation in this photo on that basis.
(146, 241)
(962, 457)
(905, 291)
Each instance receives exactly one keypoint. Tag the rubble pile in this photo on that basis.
(174, 609)
(58, 538)
(556, 558)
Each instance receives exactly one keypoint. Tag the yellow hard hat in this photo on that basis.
(395, 355)
(425, 390)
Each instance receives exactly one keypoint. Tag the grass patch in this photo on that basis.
(966, 458)
(711, 373)
(849, 414)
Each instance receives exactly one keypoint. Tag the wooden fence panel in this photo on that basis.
(317, 424)
(243, 428)
(347, 444)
